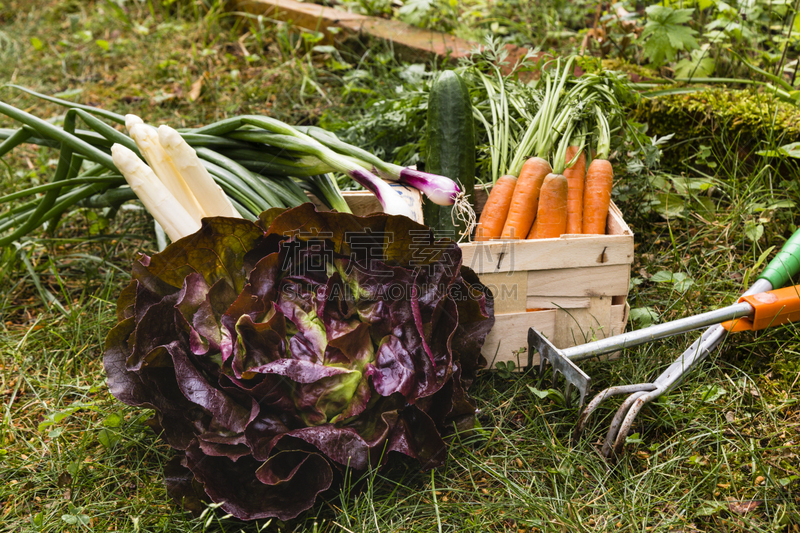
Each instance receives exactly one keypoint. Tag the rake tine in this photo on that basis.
(668, 380)
(542, 362)
(559, 363)
(615, 423)
(600, 398)
(619, 441)
(568, 395)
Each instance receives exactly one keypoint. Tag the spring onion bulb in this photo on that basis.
(158, 201)
(146, 138)
(393, 203)
(439, 189)
(212, 200)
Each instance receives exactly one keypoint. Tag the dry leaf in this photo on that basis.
(162, 97)
(197, 86)
(744, 507)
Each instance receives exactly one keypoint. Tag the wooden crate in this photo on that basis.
(578, 283)
(364, 203)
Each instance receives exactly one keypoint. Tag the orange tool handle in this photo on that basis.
(771, 308)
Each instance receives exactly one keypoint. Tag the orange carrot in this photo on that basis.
(597, 197)
(551, 218)
(494, 214)
(525, 200)
(576, 174)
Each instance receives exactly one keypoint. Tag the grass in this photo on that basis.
(720, 453)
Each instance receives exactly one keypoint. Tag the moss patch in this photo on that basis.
(751, 116)
(636, 72)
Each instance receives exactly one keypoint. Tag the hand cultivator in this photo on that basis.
(759, 308)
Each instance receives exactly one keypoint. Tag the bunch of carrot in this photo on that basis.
(536, 200)
(542, 204)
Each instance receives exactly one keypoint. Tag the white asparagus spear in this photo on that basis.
(146, 138)
(130, 120)
(158, 201)
(209, 195)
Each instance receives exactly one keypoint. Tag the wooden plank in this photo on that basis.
(579, 326)
(510, 291)
(548, 254)
(611, 280)
(481, 195)
(619, 321)
(619, 318)
(567, 251)
(564, 329)
(309, 16)
(556, 302)
(510, 334)
(408, 42)
(616, 225)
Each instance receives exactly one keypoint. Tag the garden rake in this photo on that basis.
(777, 273)
(762, 310)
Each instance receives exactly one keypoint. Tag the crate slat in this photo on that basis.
(610, 280)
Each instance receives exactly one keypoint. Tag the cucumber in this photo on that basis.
(450, 150)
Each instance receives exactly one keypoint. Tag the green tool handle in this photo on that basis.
(786, 264)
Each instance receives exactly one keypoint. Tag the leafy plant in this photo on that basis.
(680, 281)
(666, 33)
(643, 316)
(505, 369)
(416, 11)
(281, 355)
(699, 64)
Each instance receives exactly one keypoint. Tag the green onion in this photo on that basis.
(94, 110)
(65, 170)
(13, 140)
(111, 180)
(237, 189)
(63, 135)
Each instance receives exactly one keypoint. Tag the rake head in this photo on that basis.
(574, 376)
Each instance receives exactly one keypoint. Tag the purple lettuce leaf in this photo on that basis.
(278, 355)
(281, 487)
(216, 251)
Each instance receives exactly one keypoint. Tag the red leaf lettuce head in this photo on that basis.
(277, 354)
